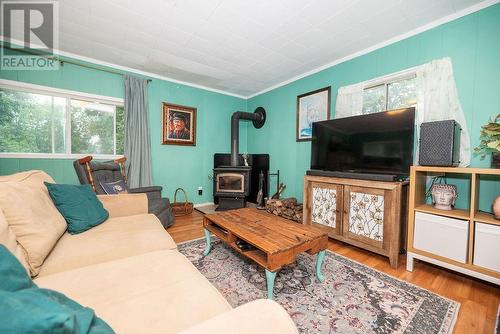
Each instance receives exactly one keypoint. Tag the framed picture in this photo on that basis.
(178, 125)
(312, 107)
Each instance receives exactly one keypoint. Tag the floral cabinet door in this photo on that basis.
(326, 202)
(364, 214)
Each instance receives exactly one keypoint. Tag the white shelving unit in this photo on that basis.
(464, 240)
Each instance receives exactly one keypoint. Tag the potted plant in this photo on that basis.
(490, 141)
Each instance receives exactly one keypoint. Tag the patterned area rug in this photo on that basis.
(353, 298)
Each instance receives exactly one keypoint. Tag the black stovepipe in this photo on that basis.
(258, 118)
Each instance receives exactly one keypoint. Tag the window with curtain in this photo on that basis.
(389, 95)
(429, 87)
(46, 122)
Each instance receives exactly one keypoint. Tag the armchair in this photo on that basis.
(93, 173)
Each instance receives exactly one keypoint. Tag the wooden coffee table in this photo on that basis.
(277, 241)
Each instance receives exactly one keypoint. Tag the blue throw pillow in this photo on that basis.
(114, 188)
(79, 206)
(25, 308)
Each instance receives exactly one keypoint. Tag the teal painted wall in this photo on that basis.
(473, 44)
(172, 166)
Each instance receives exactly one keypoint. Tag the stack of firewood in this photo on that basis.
(287, 208)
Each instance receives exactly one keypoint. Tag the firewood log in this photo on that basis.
(287, 208)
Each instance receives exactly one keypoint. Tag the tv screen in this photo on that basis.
(379, 143)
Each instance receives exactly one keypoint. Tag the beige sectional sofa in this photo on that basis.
(127, 269)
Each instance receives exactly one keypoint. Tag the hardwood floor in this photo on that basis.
(479, 300)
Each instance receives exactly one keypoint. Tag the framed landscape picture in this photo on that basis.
(312, 107)
(178, 125)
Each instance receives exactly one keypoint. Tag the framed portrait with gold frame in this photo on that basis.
(178, 125)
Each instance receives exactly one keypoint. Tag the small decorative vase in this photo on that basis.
(496, 207)
(245, 158)
(495, 160)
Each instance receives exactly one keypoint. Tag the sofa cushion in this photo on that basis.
(25, 308)
(8, 239)
(156, 292)
(31, 215)
(116, 238)
(258, 316)
(124, 205)
(79, 206)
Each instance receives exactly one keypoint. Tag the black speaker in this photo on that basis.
(439, 143)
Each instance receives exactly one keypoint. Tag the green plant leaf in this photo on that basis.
(494, 144)
(490, 137)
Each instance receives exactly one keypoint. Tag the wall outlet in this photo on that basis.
(200, 191)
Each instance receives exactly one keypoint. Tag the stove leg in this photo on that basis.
(209, 242)
(270, 276)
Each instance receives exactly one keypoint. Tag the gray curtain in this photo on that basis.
(137, 140)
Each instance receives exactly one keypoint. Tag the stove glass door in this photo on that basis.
(230, 183)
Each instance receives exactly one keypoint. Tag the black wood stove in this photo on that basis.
(232, 183)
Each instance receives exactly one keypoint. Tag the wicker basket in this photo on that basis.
(184, 208)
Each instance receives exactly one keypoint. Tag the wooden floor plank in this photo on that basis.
(479, 300)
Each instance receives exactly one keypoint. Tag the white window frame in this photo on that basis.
(386, 80)
(68, 95)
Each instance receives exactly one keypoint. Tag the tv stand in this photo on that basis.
(364, 213)
(357, 175)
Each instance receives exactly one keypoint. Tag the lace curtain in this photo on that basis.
(437, 100)
(349, 101)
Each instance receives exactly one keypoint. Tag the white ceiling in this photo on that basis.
(237, 46)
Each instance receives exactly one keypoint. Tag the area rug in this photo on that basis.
(353, 298)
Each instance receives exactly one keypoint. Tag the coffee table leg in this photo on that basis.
(270, 276)
(319, 262)
(209, 242)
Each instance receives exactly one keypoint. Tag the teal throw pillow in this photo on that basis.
(13, 276)
(25, 308)
(38, 310)
(79, 206)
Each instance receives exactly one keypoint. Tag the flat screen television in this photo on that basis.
(379, 143)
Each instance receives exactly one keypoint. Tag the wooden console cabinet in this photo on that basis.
(366, 214)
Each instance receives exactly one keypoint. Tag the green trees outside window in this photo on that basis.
(390, 96)
(38, 123)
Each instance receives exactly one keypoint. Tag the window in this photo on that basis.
(53, 122)
(93, 127)
(393, 94)
(31, 123)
